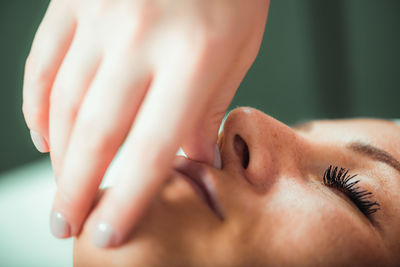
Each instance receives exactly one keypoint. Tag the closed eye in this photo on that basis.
(340, 179)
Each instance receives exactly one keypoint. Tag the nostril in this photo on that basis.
(242, 150)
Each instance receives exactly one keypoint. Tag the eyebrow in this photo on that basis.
(375, 153)
(366, 149)
(305, 126)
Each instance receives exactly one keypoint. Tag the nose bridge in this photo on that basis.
(275, 149)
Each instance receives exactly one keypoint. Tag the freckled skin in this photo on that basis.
(278, 211)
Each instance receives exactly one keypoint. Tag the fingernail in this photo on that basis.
(103, 235)
(217, 158)
(59, 226)
(39, 142)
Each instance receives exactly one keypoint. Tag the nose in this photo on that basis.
(260, 147)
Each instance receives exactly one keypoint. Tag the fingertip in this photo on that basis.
(59, 226)
(39, 141)
(217, 158)
(104, 236)
(68, 213)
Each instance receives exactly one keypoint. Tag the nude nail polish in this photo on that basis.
(39, 142)
(59, 226)
(217, 158)
(103, 235)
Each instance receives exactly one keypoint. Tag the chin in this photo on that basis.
(173, 230)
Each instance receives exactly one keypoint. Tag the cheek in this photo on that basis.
(303, 228)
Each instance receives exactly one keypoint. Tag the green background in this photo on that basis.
(319, 59)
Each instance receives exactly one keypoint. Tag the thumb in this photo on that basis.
(201, 144)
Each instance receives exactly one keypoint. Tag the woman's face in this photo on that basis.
(277, 209)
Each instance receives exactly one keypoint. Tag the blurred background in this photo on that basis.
(319, 59)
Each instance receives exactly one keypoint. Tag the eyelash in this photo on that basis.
(341, 180)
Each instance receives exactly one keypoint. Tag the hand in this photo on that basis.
(153, 74)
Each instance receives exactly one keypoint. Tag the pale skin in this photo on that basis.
(101, 73)
(278, 212)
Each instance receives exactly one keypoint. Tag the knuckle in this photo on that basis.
(34, 116)
(97, 140)
(100, 143)
(218, 35)
(35, 101)
(156, 156)
(63, 105)
(214, 40)
(155, 152)
(36, 76)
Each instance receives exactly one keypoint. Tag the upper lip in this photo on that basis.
(198, 177)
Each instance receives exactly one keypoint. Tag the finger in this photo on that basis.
(200, 145)
(100, 128)
(172, 106)
(70, 86)
(49, 47)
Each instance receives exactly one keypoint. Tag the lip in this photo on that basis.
(200, 180)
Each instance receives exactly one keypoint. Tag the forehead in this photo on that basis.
(382, 133)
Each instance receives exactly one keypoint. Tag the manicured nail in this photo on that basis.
(39, 142)
(217, 158)
(59, 226)
(103, 235)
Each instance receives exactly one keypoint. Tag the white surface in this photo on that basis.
(26, 196)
